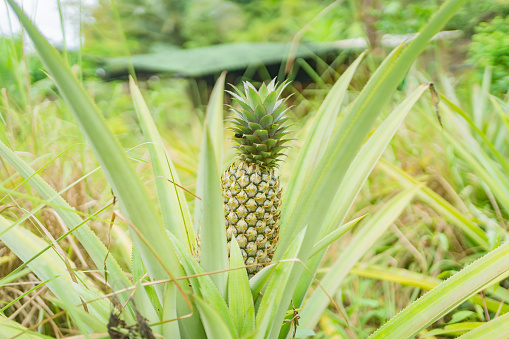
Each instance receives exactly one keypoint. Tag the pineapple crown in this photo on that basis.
(259, 123)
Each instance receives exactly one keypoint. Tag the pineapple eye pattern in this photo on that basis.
(251, 189)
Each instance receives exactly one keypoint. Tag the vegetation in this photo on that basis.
(490, 49)
(393, 209)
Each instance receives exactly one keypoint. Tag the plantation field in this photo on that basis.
(368, 196)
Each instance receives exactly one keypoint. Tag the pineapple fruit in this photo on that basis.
(251, 188)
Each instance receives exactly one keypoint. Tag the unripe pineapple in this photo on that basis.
(251, 190)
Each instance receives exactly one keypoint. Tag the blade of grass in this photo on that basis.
(213, 322)
(11, 329)
(257, 282)
(170, 329)
(333, 236)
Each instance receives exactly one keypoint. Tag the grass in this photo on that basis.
(432, 206)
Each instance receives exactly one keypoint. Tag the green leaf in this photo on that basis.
(88, 239)
(202, 285)
(11, 329)
(334, 235)
(358, 246)
(266, 321)
(257, 282)
(51, 267)
(213, 255)
(318, 137)
(212, 320)
(357, 174)
(452, 330)
(448, 295)
(172, 201)
(170, 329)
(260, 112)
(255, 126)
(266, 120)
(439, 204)
(262, 134)
(134, 201)
(240, 300)
(496, 328)
(214, 124)
(462, 315)
(270, 102)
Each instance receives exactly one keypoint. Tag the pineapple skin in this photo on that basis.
(252, 197)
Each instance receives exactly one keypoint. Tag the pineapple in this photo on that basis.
(251, 189)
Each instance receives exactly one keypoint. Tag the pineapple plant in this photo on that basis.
(251, 186)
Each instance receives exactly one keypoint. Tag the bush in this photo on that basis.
(490, 48)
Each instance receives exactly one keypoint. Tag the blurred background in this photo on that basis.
(243, 35)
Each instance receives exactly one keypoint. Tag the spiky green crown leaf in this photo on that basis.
(259, 124)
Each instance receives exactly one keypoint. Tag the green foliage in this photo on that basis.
(402, 17)
(490, 48)
(474, 12)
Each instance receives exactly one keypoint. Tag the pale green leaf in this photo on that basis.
(215, 126)
(266, 321)
(357, 174)
(240, 300)
(172, 201)
(47, 266)
(213, 254)
(92, 244)
(257, 282)
(170, 329)
(133, 198)
(497, 328)
(318, 136)
(358, 246)
(214, 324)
(448, 295)
(202, 285)
(334, 235)
(11, 329)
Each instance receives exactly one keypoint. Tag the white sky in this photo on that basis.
(47, 19)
